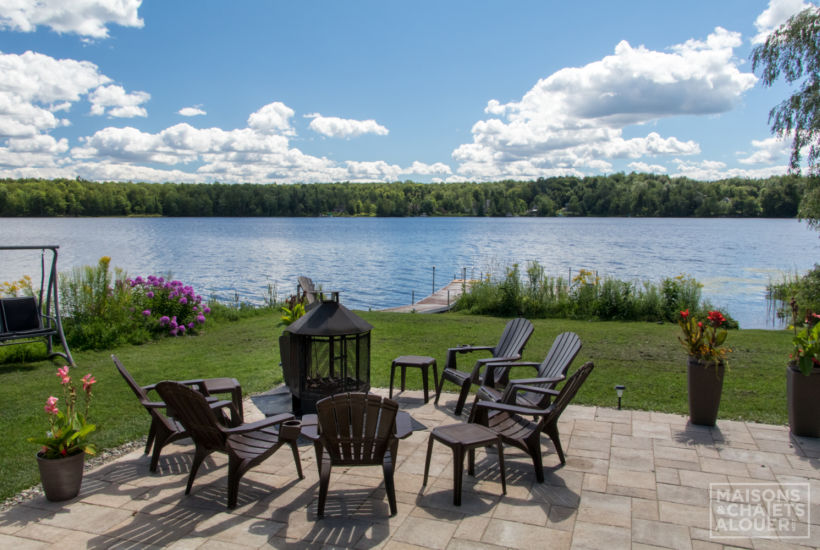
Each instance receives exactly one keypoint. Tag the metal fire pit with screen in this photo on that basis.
(324, 352)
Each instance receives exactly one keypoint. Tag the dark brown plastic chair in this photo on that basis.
(510, 422)
(357, 429)
(509, 348)
(246, 445)
(164, 429)
(553, 369)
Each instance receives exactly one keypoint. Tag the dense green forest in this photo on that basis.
(613, 195)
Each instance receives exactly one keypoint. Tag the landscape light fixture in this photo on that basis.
(619, 389)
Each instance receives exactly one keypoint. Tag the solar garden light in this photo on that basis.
(619, 389)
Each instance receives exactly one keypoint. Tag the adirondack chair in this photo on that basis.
(512, 424)
(509, 348)
(164, 428)
(356, 429)
(246, 445)
(307, 289)
(553, 369)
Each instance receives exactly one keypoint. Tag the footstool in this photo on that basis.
(420, 361)
(464, 437)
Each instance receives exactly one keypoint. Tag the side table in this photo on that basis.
(420, 361)
(464, 437)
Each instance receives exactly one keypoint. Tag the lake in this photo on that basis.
(380, 262)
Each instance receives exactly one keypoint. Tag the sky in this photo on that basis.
(361, 91)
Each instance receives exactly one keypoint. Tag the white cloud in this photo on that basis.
(89, 18)
(424, 169)
(191, 111)
(116, 102)
(767, 151)
(775, 15)
(647, 168)
(573, 119)
(272, 118)
(714, 170)
(344, 127)
(372, 171)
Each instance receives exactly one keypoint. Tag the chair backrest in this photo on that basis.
(306, 284)
(568, 391)
(136, 388)
(21, 314)
(560, 356)
(514, 338)
(356, 428)
(191, 409)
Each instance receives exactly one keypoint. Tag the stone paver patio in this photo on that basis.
(632, 480)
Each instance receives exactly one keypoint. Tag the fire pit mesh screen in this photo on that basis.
(338, 364)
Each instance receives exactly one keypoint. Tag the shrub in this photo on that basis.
(167, 306)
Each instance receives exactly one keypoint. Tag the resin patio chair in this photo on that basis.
(514, 424)
(245, 444)
(356, 429)
(307, 289)
(164, 428)
(509, 348)
(553, 369)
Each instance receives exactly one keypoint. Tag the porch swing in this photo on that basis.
(27, 319)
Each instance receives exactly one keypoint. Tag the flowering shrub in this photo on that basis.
(14, 288)
(69, 428)
(704, 340)
(806, 352)
(168, 306)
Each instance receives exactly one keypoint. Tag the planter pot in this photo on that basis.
(61, 477)
(704, 384)
(803, 394)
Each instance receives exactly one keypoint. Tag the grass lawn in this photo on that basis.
(645, 357)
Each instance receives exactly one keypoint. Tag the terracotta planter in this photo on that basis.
(803, 394)
(704, 385)
(61, 477)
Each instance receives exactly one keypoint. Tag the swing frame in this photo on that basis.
(24, 320)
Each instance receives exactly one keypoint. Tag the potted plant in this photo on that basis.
(803, 376)
(704, 341)
(63, 449)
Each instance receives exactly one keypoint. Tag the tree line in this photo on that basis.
(639, 195)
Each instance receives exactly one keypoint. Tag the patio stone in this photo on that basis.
(633, 479)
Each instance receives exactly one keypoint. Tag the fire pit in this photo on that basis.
(326, 351)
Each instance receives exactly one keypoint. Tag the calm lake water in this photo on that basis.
(378, 262)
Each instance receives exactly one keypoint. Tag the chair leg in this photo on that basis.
(534, 446)
(234, 475)
(324, 483)
(295, 448)
(152, 432)
(439, 386)
(427, 460)
(199, 456)
(552, 431)
(462, 396)
(389, 465)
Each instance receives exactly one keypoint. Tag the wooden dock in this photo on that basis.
(442, 300)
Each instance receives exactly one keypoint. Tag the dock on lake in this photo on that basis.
(440, 301)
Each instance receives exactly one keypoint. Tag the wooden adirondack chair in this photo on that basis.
(511, 422)
(553, 369)
(165, 429)
(246, 445)
(509, 348)
(356, 429)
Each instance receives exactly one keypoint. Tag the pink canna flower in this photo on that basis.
(63, 374)
(88, 380)
(51, 405)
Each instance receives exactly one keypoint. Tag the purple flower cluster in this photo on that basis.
(170, 306)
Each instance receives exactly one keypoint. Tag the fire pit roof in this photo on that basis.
(329, 318)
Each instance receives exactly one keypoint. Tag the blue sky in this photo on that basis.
(264, 91)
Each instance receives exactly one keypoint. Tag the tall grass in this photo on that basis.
(535, 294)
(803, 289)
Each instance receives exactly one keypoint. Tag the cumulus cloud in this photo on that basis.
(767, 151)
(775, 15)
(708, 170)
(424, 169)
(272, 118)
(647, 168)
(89, 18)
(335, 127)
(191, 111)
(116, 102)
(573, 120)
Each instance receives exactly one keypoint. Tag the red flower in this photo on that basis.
(716, 318)
(684, 314)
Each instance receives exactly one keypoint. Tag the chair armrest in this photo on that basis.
(310, 427)
(493, 362)
(404, 426)
(516, 409)
(520, 381)
(264, 423)
(154, 404)
(149, 387)
(535, 389)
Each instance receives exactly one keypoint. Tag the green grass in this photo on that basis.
(646, 357)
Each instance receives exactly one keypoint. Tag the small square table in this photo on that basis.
(420, 361)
